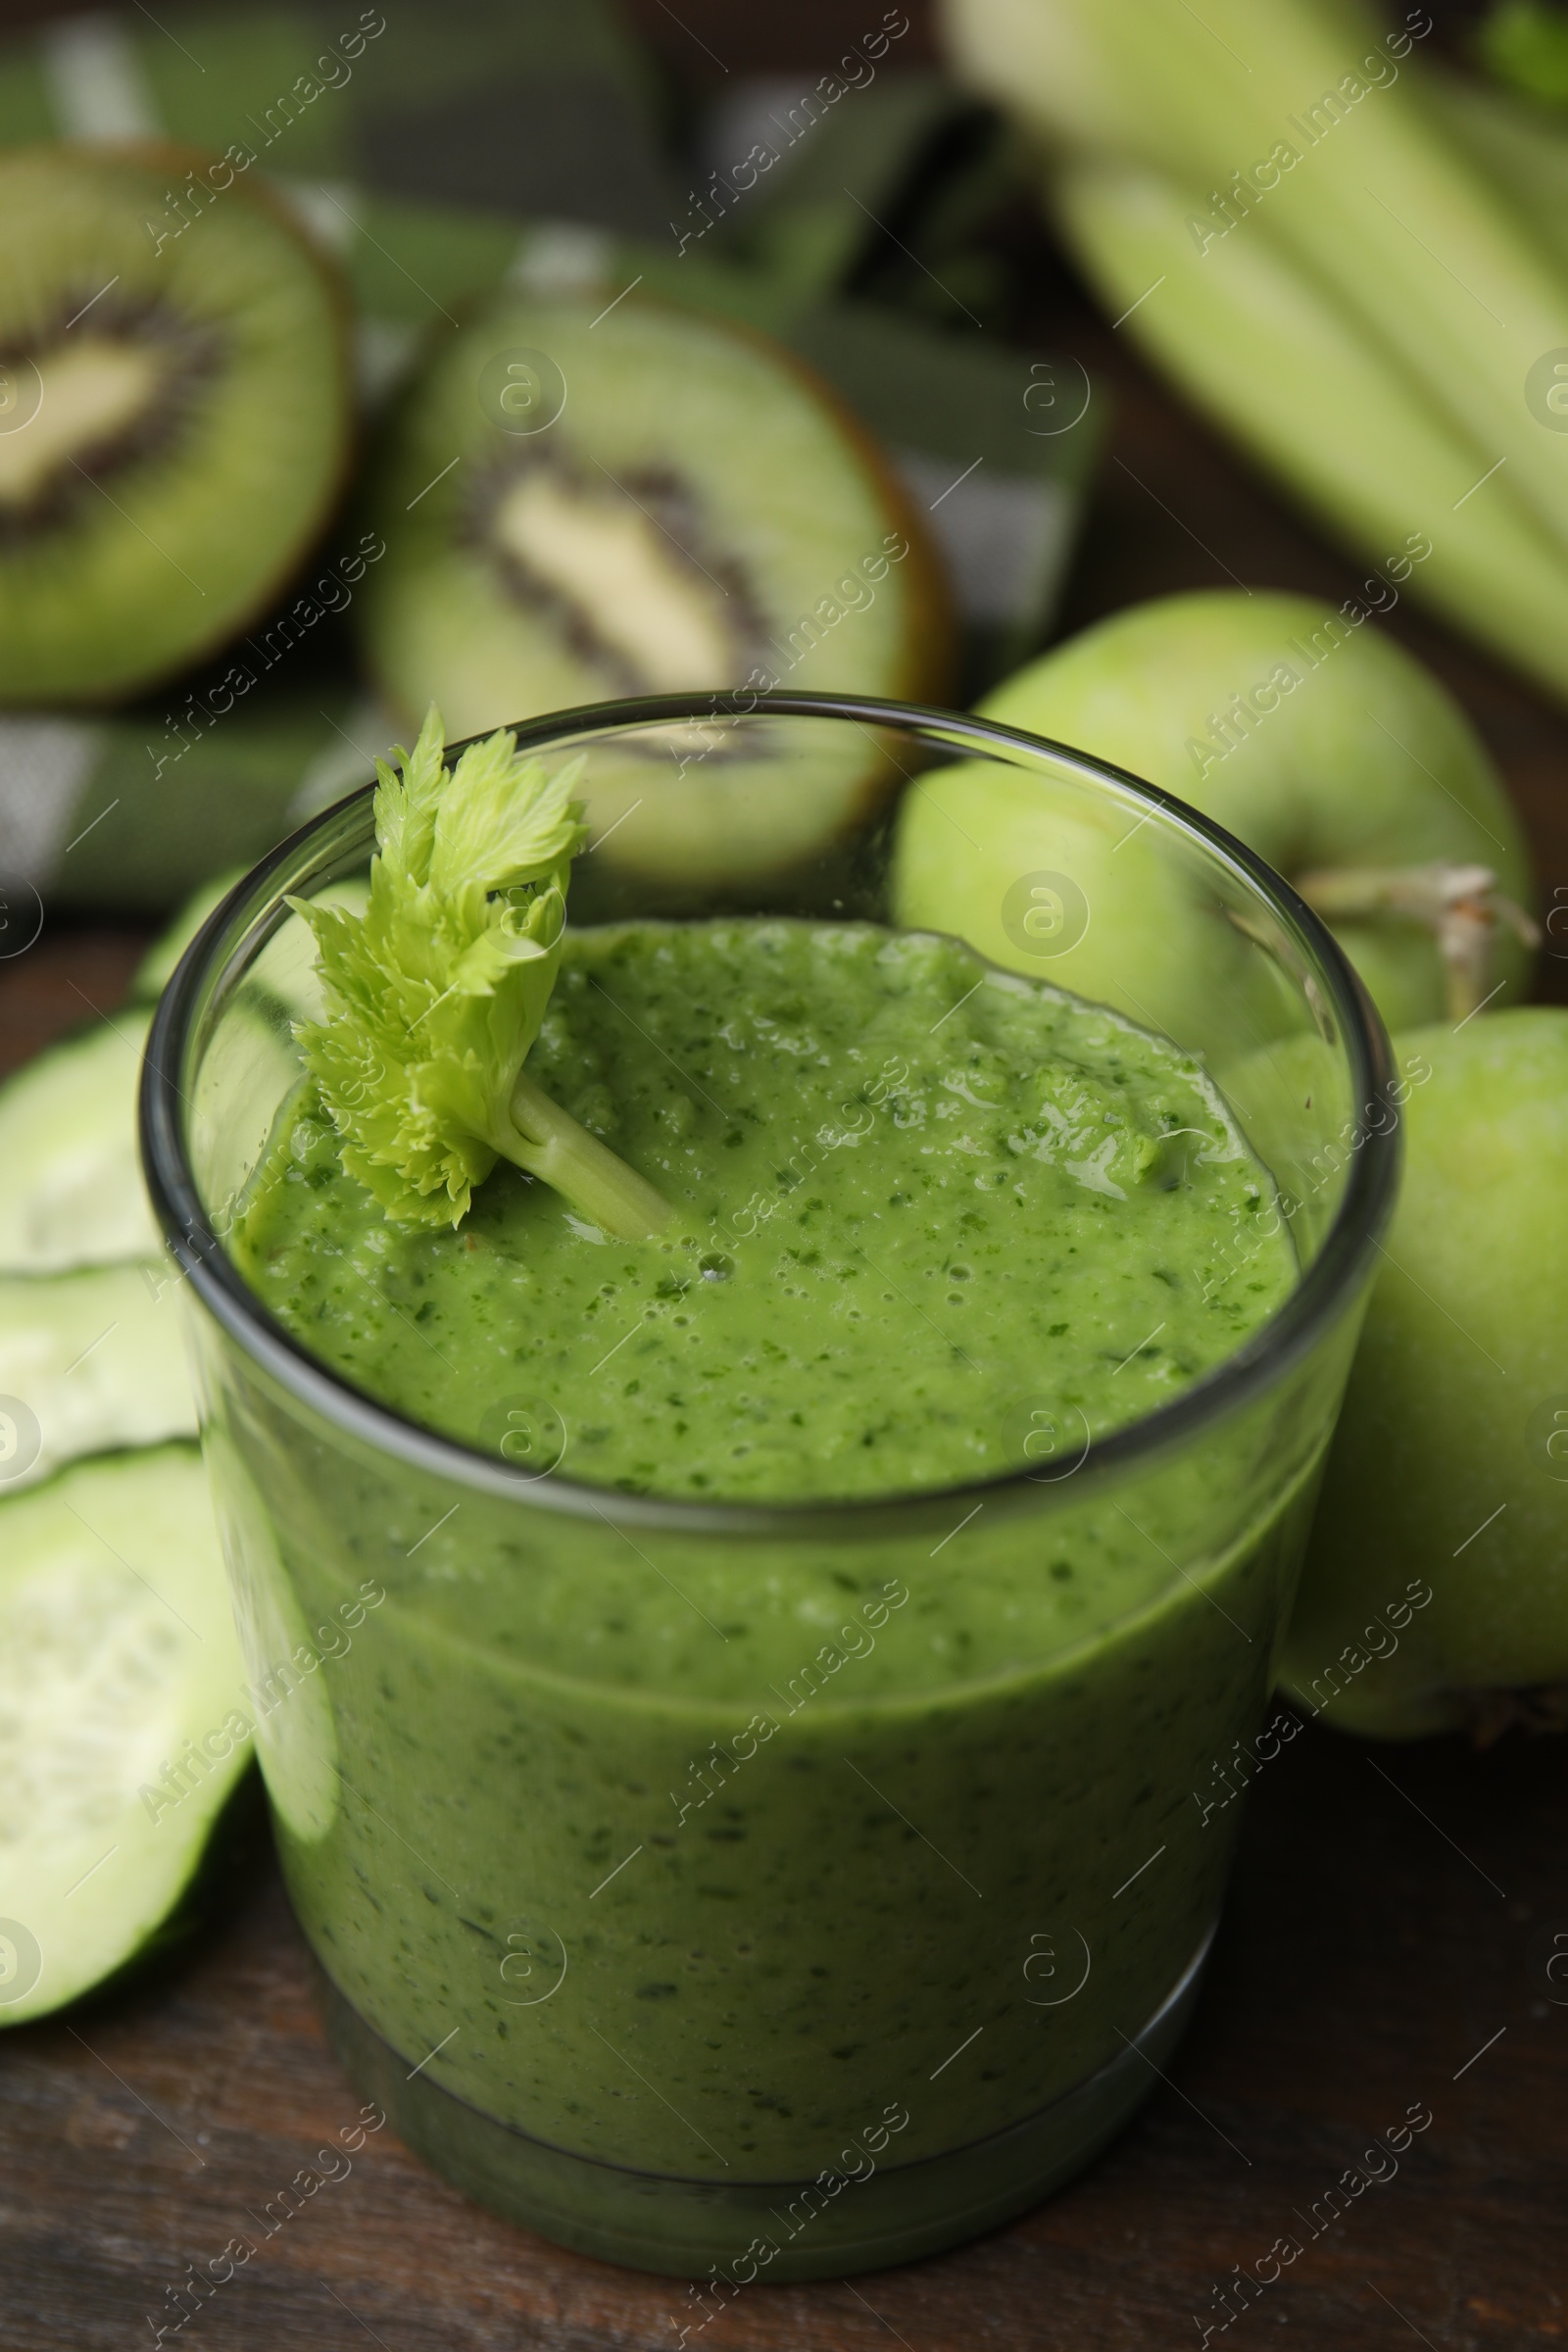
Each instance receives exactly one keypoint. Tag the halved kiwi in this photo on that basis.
(582, 502)
(173, 412)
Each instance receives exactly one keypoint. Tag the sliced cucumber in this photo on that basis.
(71, 1187)
(96, 1360)
(70, 1184)
(124, 1722)
(295, 1734)
(284, 969)
(157, 967)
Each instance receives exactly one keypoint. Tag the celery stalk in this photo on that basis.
(1522, 150)
(1257, 342)
(1387, 212)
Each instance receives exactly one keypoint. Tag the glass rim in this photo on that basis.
(1261, 1360)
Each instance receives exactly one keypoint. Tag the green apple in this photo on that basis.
(1311, 736)
(1436, 1589)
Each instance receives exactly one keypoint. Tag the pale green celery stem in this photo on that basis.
(549, 1144)
(1384, 208)
(1254, 339)
(1522, 150)
(1177, 85)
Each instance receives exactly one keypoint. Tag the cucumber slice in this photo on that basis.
(122, 1717)
(71, 1186)
(296, 1738)
(97, 1361)
(157, 967)
(71, 1189)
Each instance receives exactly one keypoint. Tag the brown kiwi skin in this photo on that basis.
(930, 668)
(176, 157)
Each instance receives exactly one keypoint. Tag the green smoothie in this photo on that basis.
(708, 1853)
(937, 1216)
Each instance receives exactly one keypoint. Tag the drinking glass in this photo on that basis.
(865, 1903)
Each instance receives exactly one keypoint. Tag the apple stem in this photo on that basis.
(1461, 905)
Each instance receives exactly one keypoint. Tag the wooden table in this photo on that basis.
(1385, 1944)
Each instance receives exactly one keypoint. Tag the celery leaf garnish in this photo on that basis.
(435, 994)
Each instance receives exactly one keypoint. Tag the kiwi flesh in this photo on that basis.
(688, 508)
(174, 406)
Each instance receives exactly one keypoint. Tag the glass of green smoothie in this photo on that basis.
(750, 1709)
